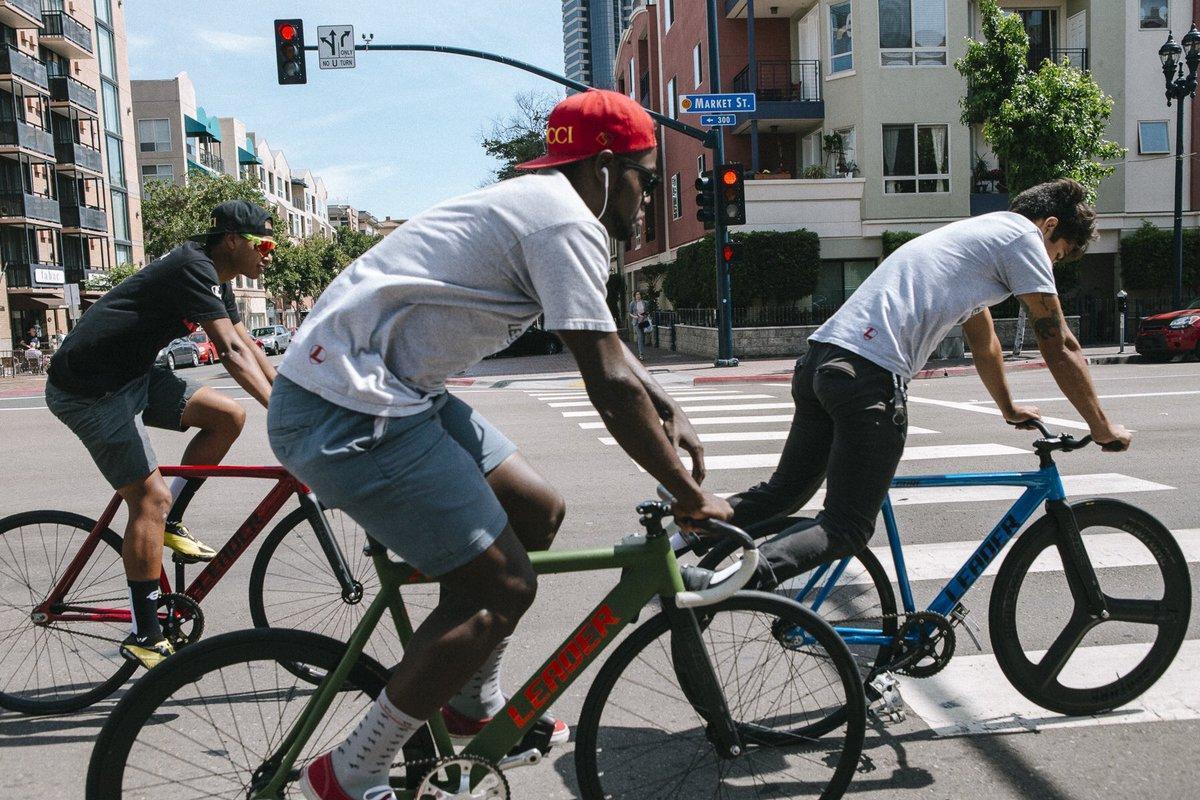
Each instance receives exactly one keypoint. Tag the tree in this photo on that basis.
(303, 269)
(652, 274)
(354, 243)
(103, 281)
(172, 213)
(994, 66)
(521, 136)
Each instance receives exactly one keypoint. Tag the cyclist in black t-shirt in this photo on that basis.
(105, 386)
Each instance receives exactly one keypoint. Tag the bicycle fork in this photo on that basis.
(352, 590)
(1081, 576)
(699, 681)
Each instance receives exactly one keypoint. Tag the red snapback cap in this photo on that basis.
(586, 123)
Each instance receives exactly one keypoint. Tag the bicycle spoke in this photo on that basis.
(1056, 658)
(1146, 612)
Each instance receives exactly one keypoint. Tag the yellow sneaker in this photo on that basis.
(143, 651)
(179, 539)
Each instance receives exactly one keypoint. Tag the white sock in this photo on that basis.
(177, 485)
(362, 761)
(482, 697)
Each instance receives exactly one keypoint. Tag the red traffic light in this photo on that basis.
(287, 31)
(727, 253)
(729, 177)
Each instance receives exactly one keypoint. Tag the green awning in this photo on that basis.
(246, 157)
(194, 127)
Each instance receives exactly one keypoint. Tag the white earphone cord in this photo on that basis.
(604, 207)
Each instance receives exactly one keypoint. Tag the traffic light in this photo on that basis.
(289, 51)
(730, 254)
(706, 200)
(732, 191)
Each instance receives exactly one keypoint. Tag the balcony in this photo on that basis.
(20, 206)
(786, 90)
(84, 218)
(65, 35)
(73, 156)
(831, 208)
(26, 275)
(1076, 56)
(15, 134)
(66, 92)
(18, 66)
(206, 160)
(21, 13)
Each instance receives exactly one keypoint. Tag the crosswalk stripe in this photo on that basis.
(759, 460)
(674, 392)
(971, 696)
(589, 426)
(1049, 421)
(692, 409)
(1104, 483)
(756, 436)
(576, 403)
(676, 395)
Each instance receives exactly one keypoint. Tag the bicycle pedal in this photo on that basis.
(959, 616)
(521, 758)
(536, 738)
(889, 704)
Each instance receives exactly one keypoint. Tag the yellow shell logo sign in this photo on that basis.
(686, 103)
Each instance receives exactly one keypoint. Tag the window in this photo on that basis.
(632, 80)
(849, 142)
(116, 161)
(916, 159)
(107, 53)
(841, 43)
(157, 172)
(837, 280)
(701, 164)
(672, 99)
(676, 198)
(1154, 14)
(154, 135)
(112, 107)
(912, 33)
(669, 14)
(1154, 137)
(120, 215)
(124, 254)
(104, 11)
(697, 67)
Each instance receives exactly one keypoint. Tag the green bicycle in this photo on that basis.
(699, 700)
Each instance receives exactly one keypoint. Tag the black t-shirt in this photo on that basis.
(119, 337)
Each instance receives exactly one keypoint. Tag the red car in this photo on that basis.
(208, 350)
(1174, 333)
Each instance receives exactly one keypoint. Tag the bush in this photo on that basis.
(1148, 260)
(776, 268)
(893, 239)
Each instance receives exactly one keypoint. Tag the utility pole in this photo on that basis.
(720, 232)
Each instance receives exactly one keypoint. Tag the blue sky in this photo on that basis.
(395, 135)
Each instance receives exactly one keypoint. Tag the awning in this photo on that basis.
(42, 301)
(194, 127)
(246, 157)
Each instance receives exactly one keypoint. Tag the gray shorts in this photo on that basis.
(113, 426)
(416, 484)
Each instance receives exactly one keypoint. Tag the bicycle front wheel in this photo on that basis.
(1047, 644)
(68, 659)
(641, 737)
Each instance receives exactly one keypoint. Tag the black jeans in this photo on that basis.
(849, 429)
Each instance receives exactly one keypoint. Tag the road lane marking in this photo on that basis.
(713, 421)
(576, 403)
(755, 436)
(759, 460)
(1055, 421)
(677, 395)
(971, 696)
(1099, 396)
(692, 409)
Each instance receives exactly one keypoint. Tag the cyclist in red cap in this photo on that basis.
(360, 411)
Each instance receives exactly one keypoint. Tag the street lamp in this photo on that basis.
(1180, 87)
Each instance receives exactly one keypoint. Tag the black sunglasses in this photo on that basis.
(650, 179)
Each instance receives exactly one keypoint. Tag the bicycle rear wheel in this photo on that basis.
(640, 736)
(58, 666)
(204, 722)
(1048, 646)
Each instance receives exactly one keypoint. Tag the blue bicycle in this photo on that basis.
(1052, 615)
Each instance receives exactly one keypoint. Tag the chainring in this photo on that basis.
(924, 645)
(452, 778)
(184, 621)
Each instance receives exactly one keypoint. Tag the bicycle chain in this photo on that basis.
(902, 666)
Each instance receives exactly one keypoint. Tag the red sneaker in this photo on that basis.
(317, 782)
(462, 727)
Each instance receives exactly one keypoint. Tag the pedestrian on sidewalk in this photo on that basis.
(640, 316)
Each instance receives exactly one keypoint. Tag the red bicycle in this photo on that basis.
(64, 603)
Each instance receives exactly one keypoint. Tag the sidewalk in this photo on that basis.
(23, 386)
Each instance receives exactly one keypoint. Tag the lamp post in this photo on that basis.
(1180, 86)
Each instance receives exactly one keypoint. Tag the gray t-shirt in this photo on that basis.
(453, 284)
(900, 314)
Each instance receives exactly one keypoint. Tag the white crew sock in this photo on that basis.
(177, 485)
(362, 761)
(482, 697)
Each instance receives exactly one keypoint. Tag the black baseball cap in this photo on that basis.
(237, 216)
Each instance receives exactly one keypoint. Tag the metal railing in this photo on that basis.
(751, 316)
(64, 89)
(28, 8)
(212, 161)
(22, 65)
(89, 218)
(1076, 56)
(20, 274)
(60, 23)
(21, 134)
(79, 155)
(782, 80)
(30, 206)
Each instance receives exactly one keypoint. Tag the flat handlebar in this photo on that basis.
(726, 588)
(1064, 441)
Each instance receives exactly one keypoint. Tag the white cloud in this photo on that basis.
(342, 180)
(136, 41)
(229, 42)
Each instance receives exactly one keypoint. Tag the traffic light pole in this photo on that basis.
(720, 232)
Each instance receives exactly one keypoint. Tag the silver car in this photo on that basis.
(275, 338)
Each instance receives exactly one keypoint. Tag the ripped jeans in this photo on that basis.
(849, 429)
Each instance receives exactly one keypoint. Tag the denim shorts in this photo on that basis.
(113, 426)
(416, 484)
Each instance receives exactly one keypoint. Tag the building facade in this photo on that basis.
(67, 210)
(857, 68)
(591, 34)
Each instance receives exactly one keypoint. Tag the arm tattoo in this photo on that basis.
(1046, 328)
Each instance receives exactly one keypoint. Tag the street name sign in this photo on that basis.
(335, 46)
(744, 102)
(717, 120)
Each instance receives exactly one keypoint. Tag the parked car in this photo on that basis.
(208, 349)
(179, 353)
(534, 341)
(275, 338)
(1173, 333)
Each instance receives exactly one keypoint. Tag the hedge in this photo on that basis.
(1148, 260)
(774, 268)
(893, 239)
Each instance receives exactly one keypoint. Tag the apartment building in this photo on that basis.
(591, 34)
(880, 73)
(177, 137)
(66, 210)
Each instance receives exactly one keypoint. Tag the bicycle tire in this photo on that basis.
(1175, 604)
(310, 597)
(600, 782)
(26, 576)
(146, 713)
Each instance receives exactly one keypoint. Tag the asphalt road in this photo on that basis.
(966, 731)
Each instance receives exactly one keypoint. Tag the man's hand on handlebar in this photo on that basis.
(1020, 416)
(703, 505)
(1112, 437)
